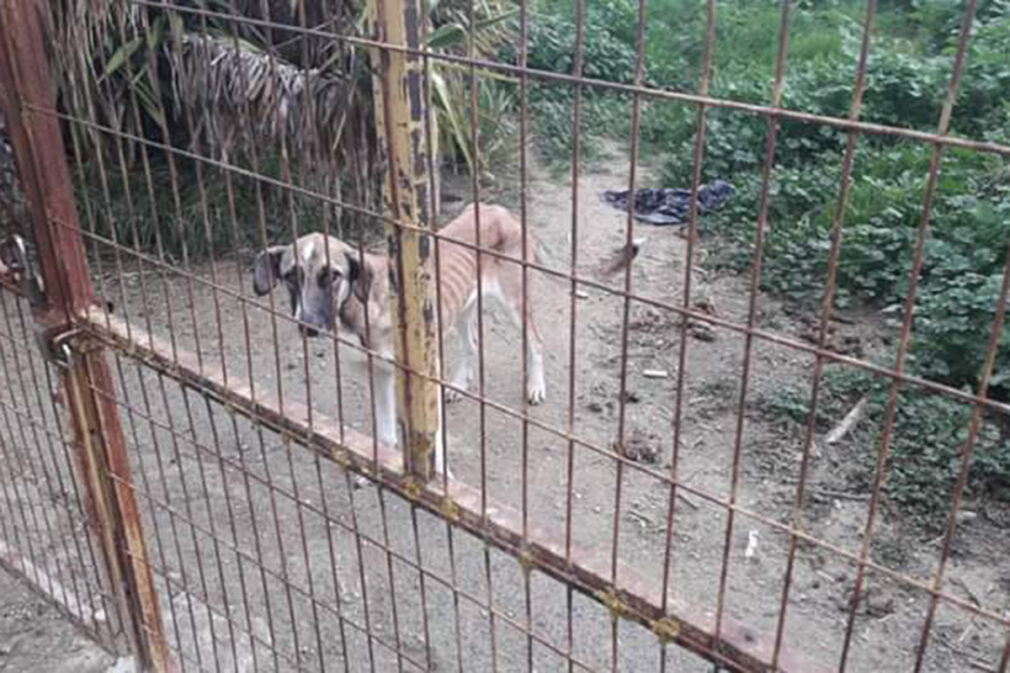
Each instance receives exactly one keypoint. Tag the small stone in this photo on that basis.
(595, 407)
(631, 397)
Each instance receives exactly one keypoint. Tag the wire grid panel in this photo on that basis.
(46, 537)
(266, 554)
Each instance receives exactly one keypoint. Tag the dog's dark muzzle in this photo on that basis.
(310, 332)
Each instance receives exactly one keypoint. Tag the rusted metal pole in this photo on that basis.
(399, 100)
(100, 449)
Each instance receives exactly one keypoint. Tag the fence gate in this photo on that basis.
(197, 479)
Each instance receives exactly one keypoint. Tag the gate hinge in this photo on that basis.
(55, 343)
(14, 259)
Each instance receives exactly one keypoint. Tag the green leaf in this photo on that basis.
(487, 23)
(120, 56)
(449, 35)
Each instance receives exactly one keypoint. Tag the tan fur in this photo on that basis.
(351, 296)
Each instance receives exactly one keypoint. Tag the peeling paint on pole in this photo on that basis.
(101, 461)
(399, 100)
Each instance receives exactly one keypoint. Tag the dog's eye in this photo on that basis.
(328, 276)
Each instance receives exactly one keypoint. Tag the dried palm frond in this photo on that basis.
(234, 90)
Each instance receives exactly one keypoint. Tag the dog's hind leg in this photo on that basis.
(466, 335)
(536, 388)
(510, 295)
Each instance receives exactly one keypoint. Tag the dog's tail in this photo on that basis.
(621, 258)
(509, 237)
(615, 262)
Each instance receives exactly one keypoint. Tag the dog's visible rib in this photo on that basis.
(353, 292)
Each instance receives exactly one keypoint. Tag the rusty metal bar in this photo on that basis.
(652, 93)
(904, 341)
(678, 309)
(102, 464)
(827, 306)
(636, 598)
(399, 101)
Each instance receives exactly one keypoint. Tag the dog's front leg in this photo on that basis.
(385, 416)
(385, 406)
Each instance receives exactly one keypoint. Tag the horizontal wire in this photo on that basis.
(842, 123)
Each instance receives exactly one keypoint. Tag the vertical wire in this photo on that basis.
(992, 348)
(525, 314)
(335, 341)
(212, 527)
(989, 361)
(177, 460)
(471, 50)
(204, 211)
(636, 111)
(391, 578)
(890, 409)
(257, 541)
(230, 512)
(23, 393)
(755, 288)
(425, 630)
(173, 175)
(56, 474)
(286, 176)
(22, 461)
(369, 638)
(692, 225)
(577, 65)
(109, 607)
(87, 72)
(335, 578)
(827, 306)
(173, 527)
(432, 165)
(450, 543)
(253, 158)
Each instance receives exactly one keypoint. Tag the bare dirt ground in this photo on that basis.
(34, 637)
(253, 539)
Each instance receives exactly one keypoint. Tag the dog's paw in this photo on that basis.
(536, 393)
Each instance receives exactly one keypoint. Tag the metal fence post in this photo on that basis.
(399, 97)
(102, 464)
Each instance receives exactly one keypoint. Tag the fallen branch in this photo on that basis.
(687, 500)
(841, 495)
(848, 422)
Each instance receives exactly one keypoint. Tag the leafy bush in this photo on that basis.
(906, 85)
(930, 432)
(551, 44)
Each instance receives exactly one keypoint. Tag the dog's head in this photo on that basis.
(321, 273)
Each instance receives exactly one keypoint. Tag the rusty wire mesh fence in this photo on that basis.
(181, 462)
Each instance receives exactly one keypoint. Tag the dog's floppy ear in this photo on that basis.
(359, 275)
(266, 269)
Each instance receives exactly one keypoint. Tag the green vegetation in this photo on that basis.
(925, 451)
(204, 83)
(907, 79)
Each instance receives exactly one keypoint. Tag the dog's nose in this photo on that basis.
(309, 332)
